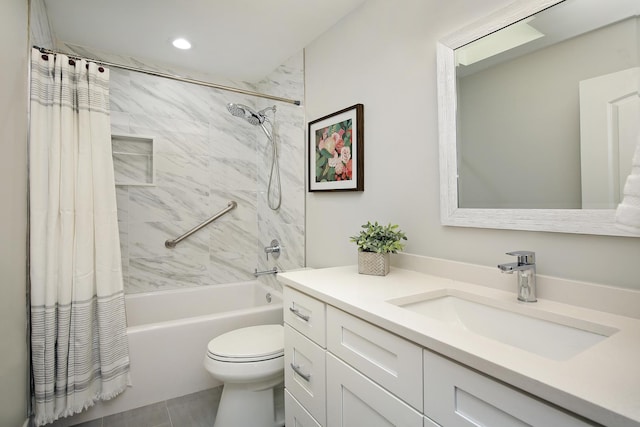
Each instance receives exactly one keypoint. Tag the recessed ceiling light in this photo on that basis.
(182, 44)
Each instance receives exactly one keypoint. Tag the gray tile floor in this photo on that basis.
(193, 410)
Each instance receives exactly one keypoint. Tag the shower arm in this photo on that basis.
(273, 109)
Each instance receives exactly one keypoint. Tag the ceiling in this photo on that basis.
(235, 39)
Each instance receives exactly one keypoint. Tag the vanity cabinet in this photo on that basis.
(456, 396)
(353, 400)
(305, 314)
(341, 371)
(305, 376)
(295, 414)
(387, 359)
(304, 359)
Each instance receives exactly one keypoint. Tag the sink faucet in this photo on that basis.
(526, 268)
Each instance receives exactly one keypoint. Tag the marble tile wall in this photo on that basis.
(204, 157)
(287, 225)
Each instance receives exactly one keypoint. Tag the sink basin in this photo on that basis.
(554, 337)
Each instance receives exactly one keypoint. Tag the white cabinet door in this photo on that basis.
(295, 414)
(304, 372)
(355, 401)
(455, 396)
(305, 314)
(428, 422)
(391, 361)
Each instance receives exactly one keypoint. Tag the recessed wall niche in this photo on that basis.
(133, 160)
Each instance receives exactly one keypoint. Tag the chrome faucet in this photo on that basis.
(526, 268)
(274, 249)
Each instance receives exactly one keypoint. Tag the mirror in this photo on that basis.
(538, 115)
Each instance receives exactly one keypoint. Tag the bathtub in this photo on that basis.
(168, 334)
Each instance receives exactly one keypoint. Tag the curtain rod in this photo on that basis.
(173, 77)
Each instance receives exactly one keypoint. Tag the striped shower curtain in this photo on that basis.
(79, 348)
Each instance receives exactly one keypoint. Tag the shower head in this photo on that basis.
(246, 113)
(258, 119)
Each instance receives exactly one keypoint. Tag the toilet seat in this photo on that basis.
(242, 359)
(245, 345)
(250, 363)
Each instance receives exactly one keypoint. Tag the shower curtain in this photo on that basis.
(79, 347)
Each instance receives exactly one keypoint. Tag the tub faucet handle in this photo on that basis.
(274, 249)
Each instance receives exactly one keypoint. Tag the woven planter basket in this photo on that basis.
(372, 263)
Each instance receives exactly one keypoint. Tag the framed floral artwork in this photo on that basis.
(336, 151)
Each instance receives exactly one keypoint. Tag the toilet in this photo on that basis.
(250, 363)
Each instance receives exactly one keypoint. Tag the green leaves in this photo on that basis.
(380, 239)
(326, 154)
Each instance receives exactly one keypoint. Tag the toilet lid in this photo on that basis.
(248, 344)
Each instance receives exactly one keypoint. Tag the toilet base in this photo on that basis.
(243, 405)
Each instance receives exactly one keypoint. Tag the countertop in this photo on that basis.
(602, 383)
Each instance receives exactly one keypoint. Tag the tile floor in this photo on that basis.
(193, 410)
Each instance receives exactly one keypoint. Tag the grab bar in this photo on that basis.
(172, 243)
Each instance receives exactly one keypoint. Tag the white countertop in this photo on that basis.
(602, 383)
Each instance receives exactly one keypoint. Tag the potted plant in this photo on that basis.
(375, 243)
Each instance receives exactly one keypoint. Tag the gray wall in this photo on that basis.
(521, 121)
(391, 69)
(13, 215)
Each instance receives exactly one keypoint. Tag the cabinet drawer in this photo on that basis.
(304, 372)
(391, 361)
(456, 396)
(305, 314)
(295, 414)
(354, 401)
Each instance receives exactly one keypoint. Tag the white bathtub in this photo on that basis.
(168, 334)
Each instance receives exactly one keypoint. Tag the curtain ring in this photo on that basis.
(45, 57)
(72, 62)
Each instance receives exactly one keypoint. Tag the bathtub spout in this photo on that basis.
(257, 273)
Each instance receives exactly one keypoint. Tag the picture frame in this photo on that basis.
(336, 151)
